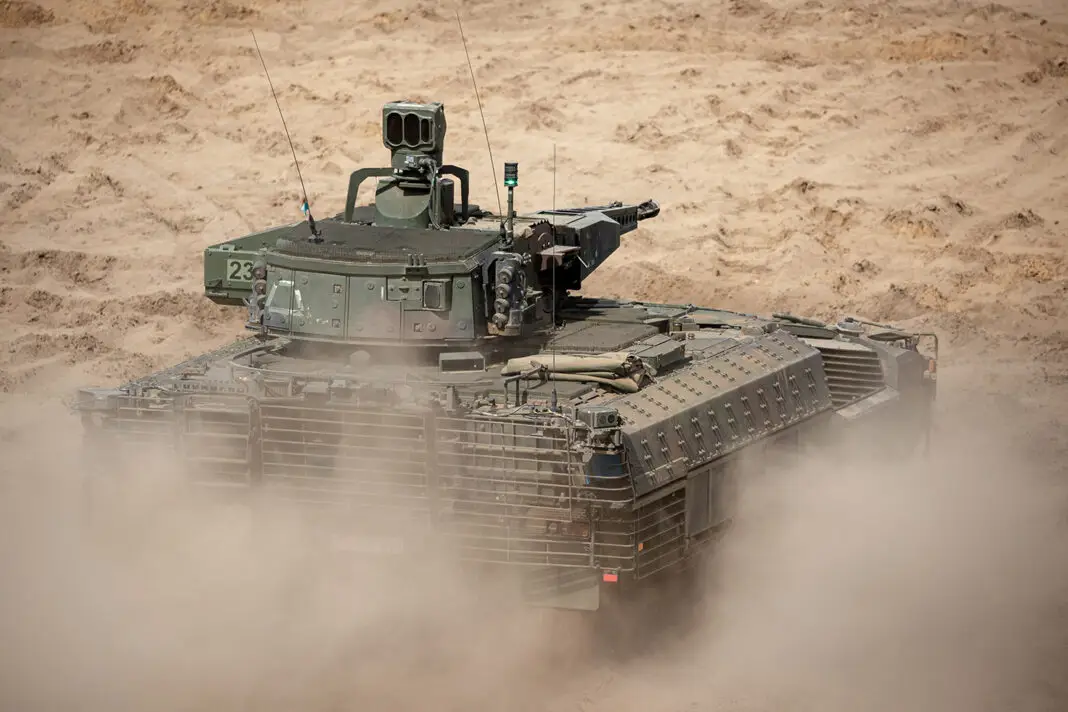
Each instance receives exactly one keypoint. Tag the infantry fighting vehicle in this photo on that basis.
(425, 373)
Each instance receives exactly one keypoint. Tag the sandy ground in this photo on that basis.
(898, 161)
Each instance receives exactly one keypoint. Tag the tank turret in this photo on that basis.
(413, 267)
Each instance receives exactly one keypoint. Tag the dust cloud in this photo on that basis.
(882, 583)
(902, 161)
(931, 584)
(153, 595)
(935, 582)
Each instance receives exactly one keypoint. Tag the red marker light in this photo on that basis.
(611, 577)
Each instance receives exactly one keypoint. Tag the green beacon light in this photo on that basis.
(511, 180)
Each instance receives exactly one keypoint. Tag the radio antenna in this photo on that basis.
(552, 332)
(485, 129)
(305, 207)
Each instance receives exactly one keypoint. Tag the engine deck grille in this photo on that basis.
(853, 371)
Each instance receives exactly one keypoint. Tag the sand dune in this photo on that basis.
(903, 161)
(898, 160)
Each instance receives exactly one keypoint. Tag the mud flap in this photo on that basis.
(576, 589)
(886, 424)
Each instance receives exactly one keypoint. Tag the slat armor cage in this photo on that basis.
(517, 491)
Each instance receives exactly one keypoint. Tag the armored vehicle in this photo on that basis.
(427, 374)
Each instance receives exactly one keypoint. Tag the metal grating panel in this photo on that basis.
(486, 489)
(853, 371)
(208, 436)
(661, 533)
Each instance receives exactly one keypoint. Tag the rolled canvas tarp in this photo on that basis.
(627, 385)
(569, 363)
(611, 369)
